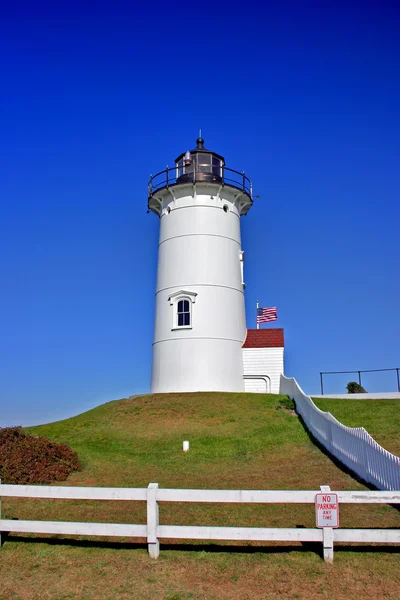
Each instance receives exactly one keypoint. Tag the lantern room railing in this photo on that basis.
(226, 176)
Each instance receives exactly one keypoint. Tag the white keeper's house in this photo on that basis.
(201, 342)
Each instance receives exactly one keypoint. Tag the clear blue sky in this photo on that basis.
(303, 96)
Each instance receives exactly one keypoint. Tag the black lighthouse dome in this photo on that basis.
(199, 164)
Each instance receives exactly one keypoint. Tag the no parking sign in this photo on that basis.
(327, 510)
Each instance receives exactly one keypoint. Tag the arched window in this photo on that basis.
(182, 309)
(183, 313)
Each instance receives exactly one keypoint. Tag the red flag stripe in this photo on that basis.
(265, 315)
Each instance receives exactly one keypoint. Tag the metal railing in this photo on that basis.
(170, 176)
(322, 373)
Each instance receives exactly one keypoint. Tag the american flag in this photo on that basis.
(264, 315)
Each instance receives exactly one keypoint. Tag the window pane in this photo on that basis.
(216, 169)
(204, 159)
(183, 313)
(204, 163)
(188, 168)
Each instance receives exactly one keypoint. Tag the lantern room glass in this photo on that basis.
(202, 162)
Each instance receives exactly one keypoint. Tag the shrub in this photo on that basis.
(355, 388)
(28, 459)
(287, 403)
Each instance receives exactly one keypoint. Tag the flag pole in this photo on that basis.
(258, 326)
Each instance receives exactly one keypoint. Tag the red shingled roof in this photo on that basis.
(264, 338)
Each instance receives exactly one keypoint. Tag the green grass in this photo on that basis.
(144, 435)
(236, 441)
(381, 418)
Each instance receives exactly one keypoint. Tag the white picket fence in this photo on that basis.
(353, 446)
(153, 531)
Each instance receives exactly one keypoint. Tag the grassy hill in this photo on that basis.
(236, 441)
(381, 418)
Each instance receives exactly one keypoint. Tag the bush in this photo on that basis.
(28, 459)
(287, 403)
(355, 388)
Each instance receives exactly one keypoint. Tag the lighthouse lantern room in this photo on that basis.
(200, 324)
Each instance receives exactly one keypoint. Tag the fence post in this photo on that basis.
(327, 533)
(152, 521)
(364, 452)
(330, 437)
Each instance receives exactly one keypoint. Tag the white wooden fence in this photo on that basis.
(153, 531)
(353, 446)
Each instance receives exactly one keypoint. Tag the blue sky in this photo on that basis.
(302, 96)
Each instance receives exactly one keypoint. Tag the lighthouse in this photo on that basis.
(200, 324)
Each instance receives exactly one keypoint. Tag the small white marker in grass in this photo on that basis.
(186, 446)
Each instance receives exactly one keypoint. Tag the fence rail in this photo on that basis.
(353, 446)
(153, 531)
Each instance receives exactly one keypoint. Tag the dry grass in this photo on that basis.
(237, 441)
(67, 572)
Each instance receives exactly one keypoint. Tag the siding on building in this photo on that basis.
(263, 365)
(266, 362)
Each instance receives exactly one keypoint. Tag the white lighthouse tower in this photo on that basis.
(200, 324)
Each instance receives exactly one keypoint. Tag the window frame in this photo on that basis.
(183, 308)
(174, 300)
